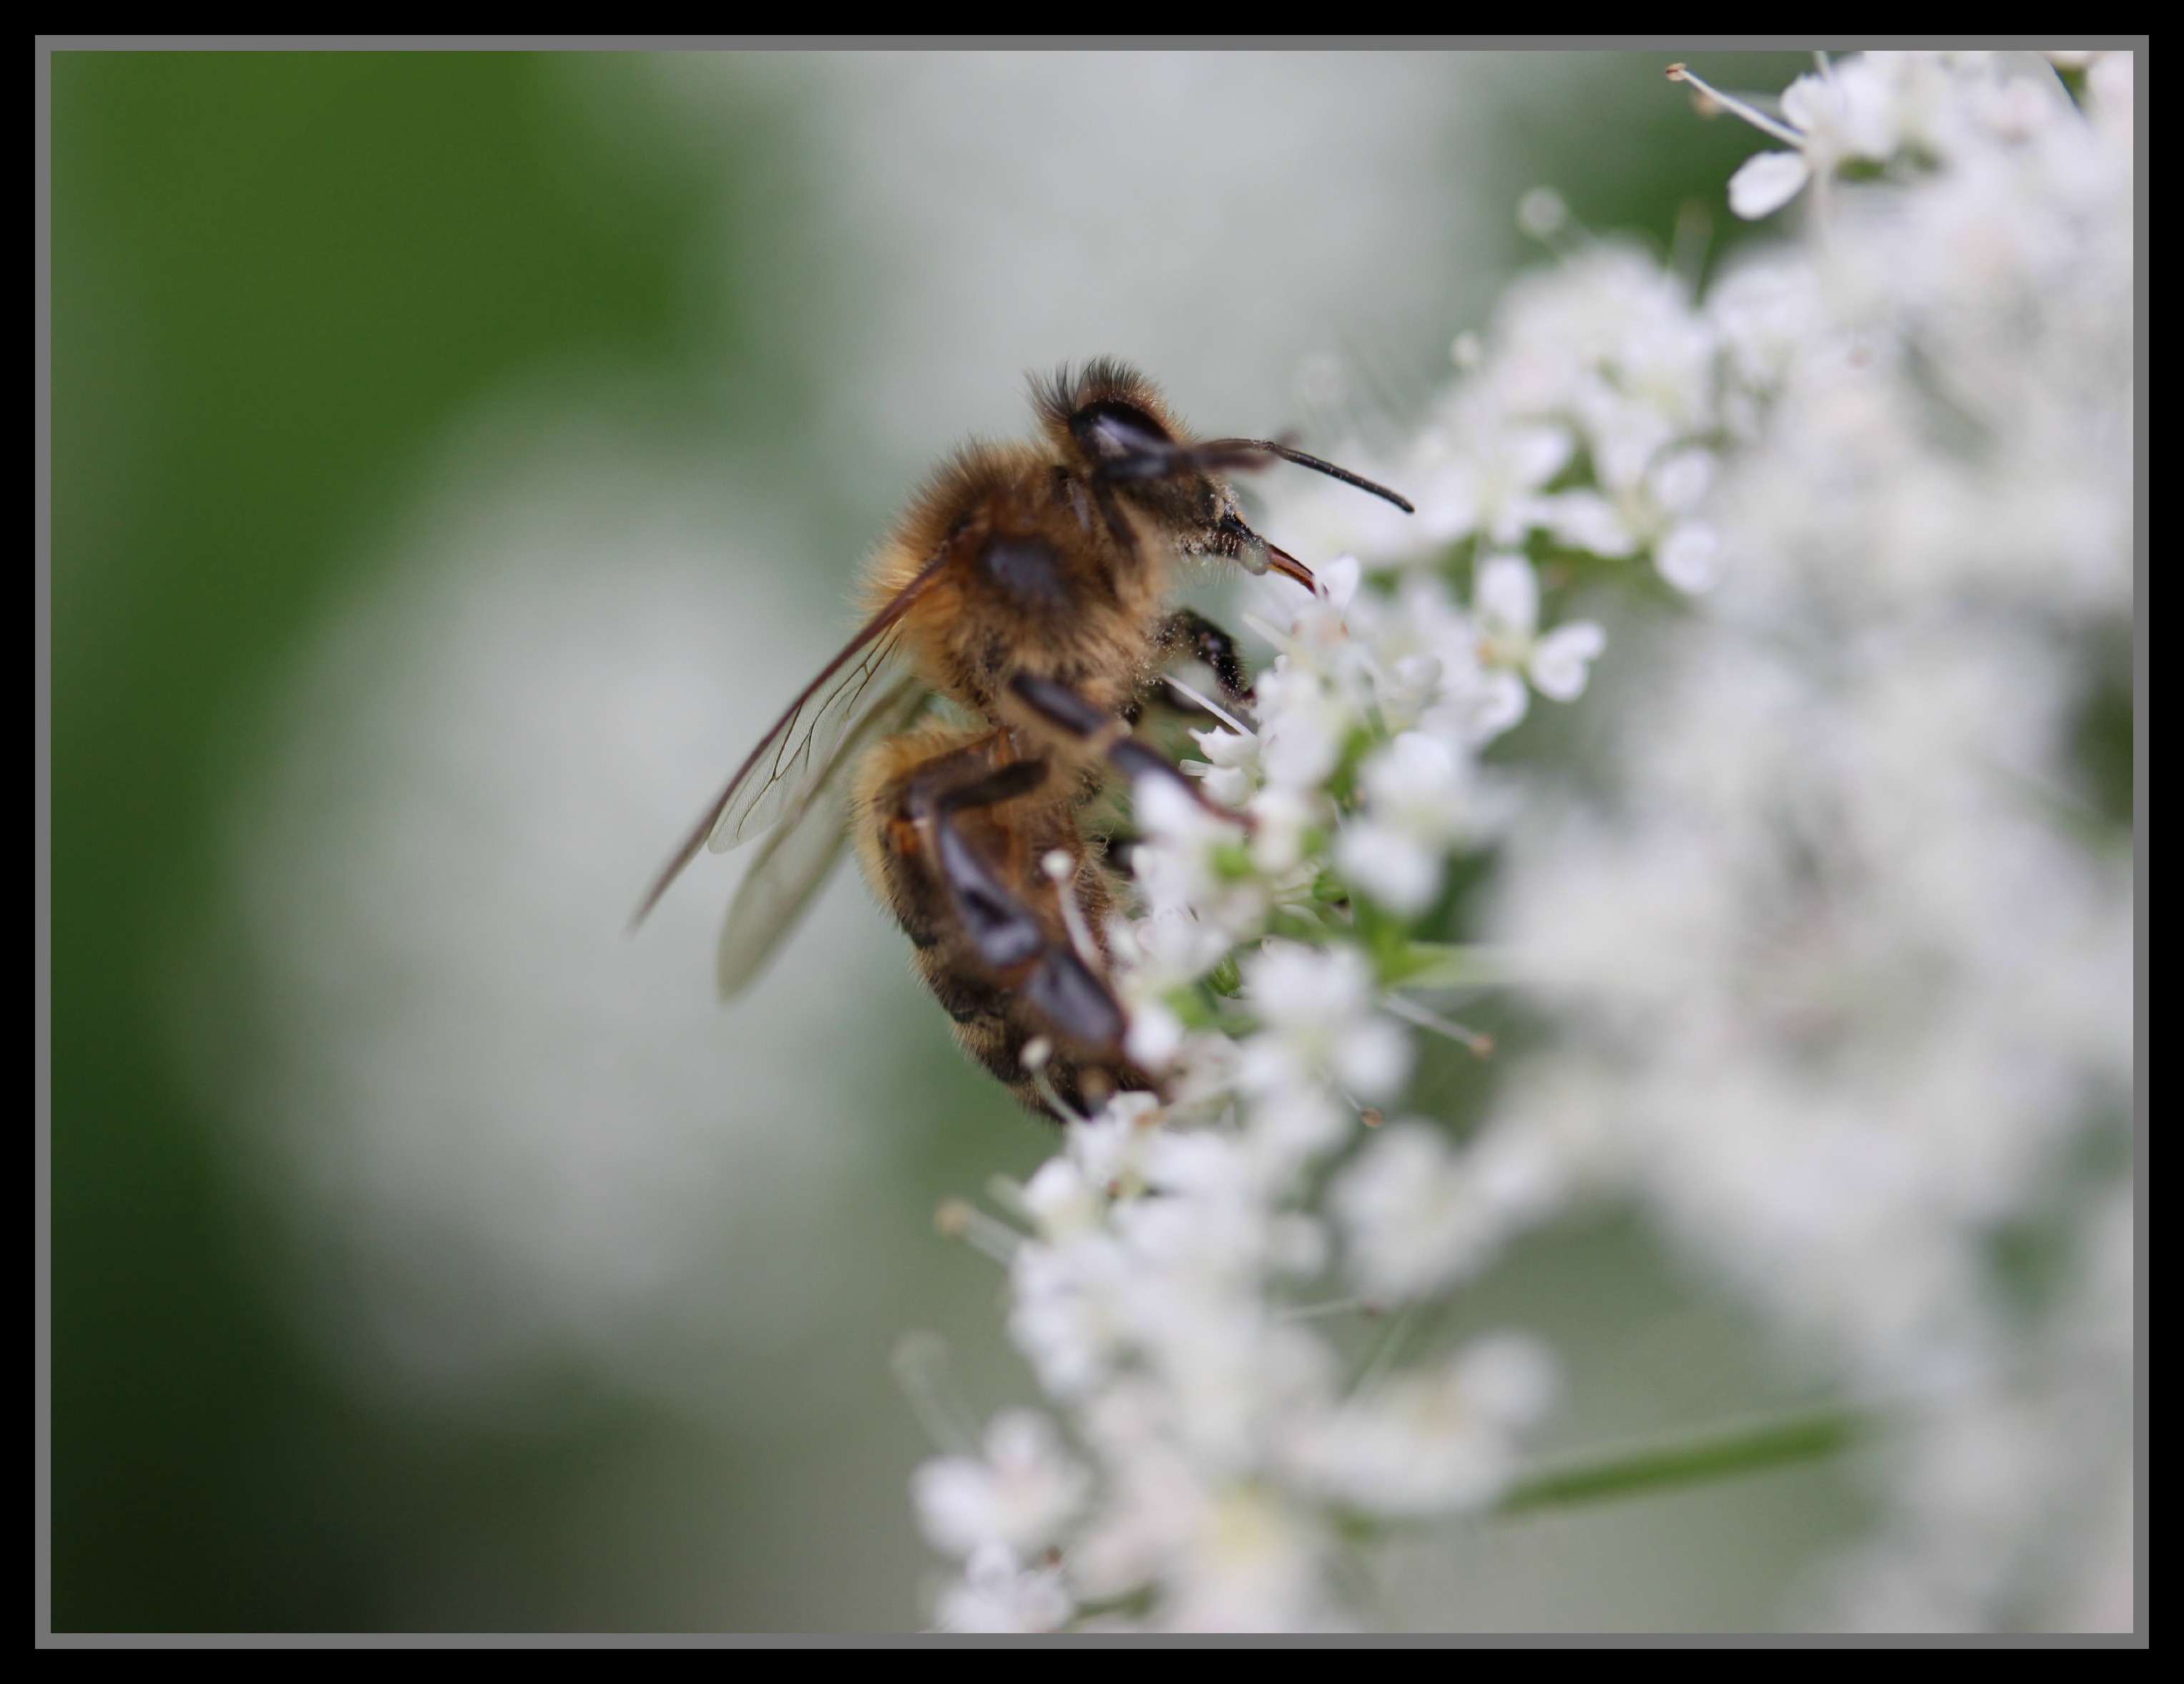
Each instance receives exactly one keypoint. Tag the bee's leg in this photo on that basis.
(931, 793)
(1002, 931)
(1065, 992)
(1187, 634)
(1059, 704)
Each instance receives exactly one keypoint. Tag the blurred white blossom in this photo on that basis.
(1417, 804)
(1418, 1216)
(1426, 1443)
(1842, 987)
(1019, 1493)
(996, 1594)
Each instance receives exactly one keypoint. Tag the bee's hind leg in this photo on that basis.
(1060, 986)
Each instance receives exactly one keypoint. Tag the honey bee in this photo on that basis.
(1018, 627)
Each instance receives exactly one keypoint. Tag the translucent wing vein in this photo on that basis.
(799, 856)
(801, 745)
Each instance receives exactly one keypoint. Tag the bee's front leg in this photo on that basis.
(1187, 635)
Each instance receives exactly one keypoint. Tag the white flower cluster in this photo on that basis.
(1846, 992)
(1852, 968)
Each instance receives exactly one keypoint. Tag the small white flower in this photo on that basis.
(1690, 556)
(1510, 1380)
(1418, 806)
(1475, 713)
(1155, 1497)
(1769, 315)
(1069, 1312)
(1491, 483)
(1586, 520)
(1506, 599)
(1111, 1148)
(1284, 818)
(1155, 1037)
(1173, 948)
(995, 1594)
(1193, 868)
(1065, 1201)
(1253, 1566)
(1562, 661)
(1406, 686)
(1678, 481)
(1018, 1495)
(1232, 763)
(1848, 111)
(1339, 579)
(1209, 1167)
(1417, 1215)
(1304, 723)
(1437, 1442)
(1318, 1008)
(1397, 871)
(1766, 181)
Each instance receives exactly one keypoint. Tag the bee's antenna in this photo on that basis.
(1272, 447)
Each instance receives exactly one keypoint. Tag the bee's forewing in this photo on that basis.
(781, 770)
(802, 745)
(797, 859)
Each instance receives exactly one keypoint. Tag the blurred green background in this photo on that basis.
(289, 290)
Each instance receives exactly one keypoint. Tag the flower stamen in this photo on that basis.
(1728, 101)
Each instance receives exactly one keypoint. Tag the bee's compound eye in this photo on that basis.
(1112, 431)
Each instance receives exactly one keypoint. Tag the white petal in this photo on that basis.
(1767, 181)
(1508, 594)
(1537, 453)
(1492, 704)
(1228, 786)
(1558, 665)
(1391, 867)
(1155, 1037)
(1680, 481)
(1373, 1058)
(1448, 504)
(1224, 747)
(1584, 520)
(1339, 579)
(1690, 557)
(1509, 1378)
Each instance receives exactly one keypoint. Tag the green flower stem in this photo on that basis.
(1445, 964)
(1748, 1448)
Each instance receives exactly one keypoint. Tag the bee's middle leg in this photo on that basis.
(1059, 704)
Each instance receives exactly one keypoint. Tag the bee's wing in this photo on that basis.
(798, 857)
(801, 746)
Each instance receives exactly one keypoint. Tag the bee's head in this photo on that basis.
(1114, 431)
(1105, 416)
